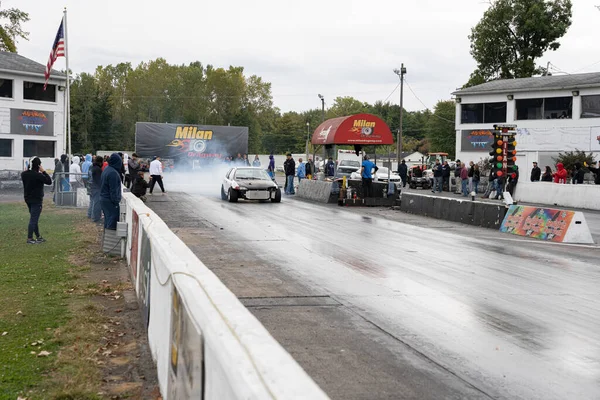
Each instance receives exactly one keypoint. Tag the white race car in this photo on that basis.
(249, 183)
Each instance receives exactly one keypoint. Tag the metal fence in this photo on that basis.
(71, 190)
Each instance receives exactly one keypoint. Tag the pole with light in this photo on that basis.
(400, 72)
(307, 138)
(323, 120)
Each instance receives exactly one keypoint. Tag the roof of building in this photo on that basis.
(17, 63)
(552, 82)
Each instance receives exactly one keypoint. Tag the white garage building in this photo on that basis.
(31, 118)
(553, 114)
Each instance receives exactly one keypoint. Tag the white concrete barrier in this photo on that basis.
(554, 194)
(202, 338)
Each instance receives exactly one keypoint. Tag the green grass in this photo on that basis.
(34, 280)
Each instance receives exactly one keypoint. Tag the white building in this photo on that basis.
(553, 114)
(31, 119)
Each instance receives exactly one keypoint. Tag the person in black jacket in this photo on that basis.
(110, 192)
(34, 180)
(446, 175)
(139, 186)
(438, 173)
(578, 174)
(403, 172)
(289, 167)
(595, 171)
(513, 178)
(95, 179)
(536, 173)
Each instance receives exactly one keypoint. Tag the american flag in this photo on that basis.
(58, 50)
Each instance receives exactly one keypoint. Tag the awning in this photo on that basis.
(359, 129)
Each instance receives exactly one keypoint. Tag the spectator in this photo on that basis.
(547, 176)
(301, 172)
(34, 180)
(271, 167)
(438, 172)
(289, 167)
(239, 160)
(366, 173)
(95, 208)
(578, 174)
(403, 172)
(464, 180)
(330, 168)
(470, 175)
(110, 191)
(85, 168)
(122, 170)
(134, 166)
(156, 171)
(595, 171)
(246, 161)
(536, 172)
(256, 162)
(513, 179)
(499, 188)
(66, 168)
(457, 178)
(139, 186)
(309, 167)
(476, 178)
(446, 175)
(491, 185)
(75, 174)
(105, 163)
(560, 176)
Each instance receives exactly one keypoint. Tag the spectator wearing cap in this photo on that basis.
(536, 173)
(289, 167)
(34, 180)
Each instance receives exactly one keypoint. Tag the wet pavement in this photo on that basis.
(377, 304)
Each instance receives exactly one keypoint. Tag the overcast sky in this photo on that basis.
(332, 47)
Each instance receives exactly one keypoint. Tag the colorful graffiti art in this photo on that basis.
(541, 223)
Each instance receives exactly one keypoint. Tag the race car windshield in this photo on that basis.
(252, 174)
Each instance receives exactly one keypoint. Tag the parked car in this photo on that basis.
(249, 183)
(346, 168)
(380, 176)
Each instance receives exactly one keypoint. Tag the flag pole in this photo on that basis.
(68, 91)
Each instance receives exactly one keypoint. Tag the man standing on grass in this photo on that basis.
(110, 191)
(34, 180)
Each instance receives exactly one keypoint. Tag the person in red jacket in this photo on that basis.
(560, 176)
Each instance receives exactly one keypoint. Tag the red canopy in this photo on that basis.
(359, 129)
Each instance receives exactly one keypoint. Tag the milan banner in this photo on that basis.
(31, 122)
(189, 142)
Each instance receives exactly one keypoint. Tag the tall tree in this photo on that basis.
(514, 33)
(10, 28)
(441, 129)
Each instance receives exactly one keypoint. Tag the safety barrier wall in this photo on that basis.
(205, 343)
(548, 193)
(487, 215)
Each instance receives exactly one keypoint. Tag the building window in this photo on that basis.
(558, 107)
(35, 91)
(471, 113)
(39, 148)
(494, 112)
(6, 147)
(483, 113)
(6, 88)
(590, 106)
(548, 108)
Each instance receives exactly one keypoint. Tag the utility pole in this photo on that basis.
(307, 138)
(323, 120)
(400, 74)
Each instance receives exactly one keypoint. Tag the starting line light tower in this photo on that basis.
(504, 152)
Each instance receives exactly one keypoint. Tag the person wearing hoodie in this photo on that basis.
(271, 168)
(110, 191)
(85, 169)
(75, 174)
(95, 209)
(560, 176)
(34, 180)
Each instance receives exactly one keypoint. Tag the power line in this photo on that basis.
(393, 91)
(417, 97)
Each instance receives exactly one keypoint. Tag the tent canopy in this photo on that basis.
(358, 129)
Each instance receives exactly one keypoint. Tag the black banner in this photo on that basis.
(189, 142)
(31, 122)
(476, 140)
